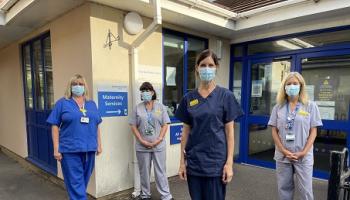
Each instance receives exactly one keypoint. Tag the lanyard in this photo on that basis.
(291, 116)
(83, 110)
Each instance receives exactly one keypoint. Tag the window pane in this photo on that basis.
(237, 80)
(238, 51)
(39, 77)
(261, 145)
(48, 73)
(266, 80)
(173, 63)
(194, 48)
(28, 77)
(328, 80)
(300, 42)
(327, 141)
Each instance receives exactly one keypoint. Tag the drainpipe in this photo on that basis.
(270, 7)
(133, 52)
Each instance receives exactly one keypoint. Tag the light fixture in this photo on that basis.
(133, 23)
(287, 44)
(174, 45)
(301, 43)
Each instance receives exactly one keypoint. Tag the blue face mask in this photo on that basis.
(292, 90)
(78, 90)
(207, 73)
(146, 96)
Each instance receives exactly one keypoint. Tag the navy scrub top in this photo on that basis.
(75, 136)
(206, 148)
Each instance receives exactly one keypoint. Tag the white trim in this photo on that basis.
(7, 4)
(210, 8)
(269, 7)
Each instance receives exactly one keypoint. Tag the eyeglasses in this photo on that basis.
(77, 83)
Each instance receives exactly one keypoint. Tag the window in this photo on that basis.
(300, 42)
(180, 52)
(37, 68)
(328, 80)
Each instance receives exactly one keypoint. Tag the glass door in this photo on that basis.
(266, 76)
(327, 76)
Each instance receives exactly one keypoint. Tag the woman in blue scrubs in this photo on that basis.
(207, 141)
(76, 136)
(294, 122)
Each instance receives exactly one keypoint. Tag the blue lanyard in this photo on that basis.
(149, 115)
(291, 116)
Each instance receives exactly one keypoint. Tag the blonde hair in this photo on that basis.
(68, 92)
(282, 96)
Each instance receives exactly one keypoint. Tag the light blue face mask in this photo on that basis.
(207, 73)
(78, 90)
(146, 96)
(292, 90)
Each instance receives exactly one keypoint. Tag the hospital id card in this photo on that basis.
(84, 120)
(290, 137)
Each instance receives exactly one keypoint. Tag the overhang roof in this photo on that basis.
(239, 6)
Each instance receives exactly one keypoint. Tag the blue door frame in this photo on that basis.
(40, 146)
(296, 58)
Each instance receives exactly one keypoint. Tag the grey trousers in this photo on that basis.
(285, 180)
(145, 160)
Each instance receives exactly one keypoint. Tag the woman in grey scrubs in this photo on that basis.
(294, 122)
(149, 123)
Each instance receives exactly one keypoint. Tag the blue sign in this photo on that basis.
(175, 134)
(113, 103)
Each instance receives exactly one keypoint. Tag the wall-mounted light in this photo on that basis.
(133, 23)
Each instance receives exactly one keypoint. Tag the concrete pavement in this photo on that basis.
(249, 183)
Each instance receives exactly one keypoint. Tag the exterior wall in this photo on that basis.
(12, 124)
(114, 168)
(70, 49)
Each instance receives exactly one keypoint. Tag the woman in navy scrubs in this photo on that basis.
(76, 136)
(207, 141)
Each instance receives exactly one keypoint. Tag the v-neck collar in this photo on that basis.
(209, 95)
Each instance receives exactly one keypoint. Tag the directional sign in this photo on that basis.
(112, 103)
(175, 134)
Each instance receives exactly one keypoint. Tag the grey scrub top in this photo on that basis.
(307, 116)
(152, 121)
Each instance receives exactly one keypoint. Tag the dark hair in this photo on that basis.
(206, 53)
(148, 86)
(203, 55)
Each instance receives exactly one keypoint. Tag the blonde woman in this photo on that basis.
(76, 136)
(294, 122)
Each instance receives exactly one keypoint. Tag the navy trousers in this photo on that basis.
(206, 188)
(77, 169)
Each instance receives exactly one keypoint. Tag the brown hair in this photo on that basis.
(148, 86)
(203, 55)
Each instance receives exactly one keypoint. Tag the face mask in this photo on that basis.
(292, 90)
(78, 90)
(146, 96)
(207, 73)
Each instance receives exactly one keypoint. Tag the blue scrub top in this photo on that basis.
(206, 148)
(75, 136)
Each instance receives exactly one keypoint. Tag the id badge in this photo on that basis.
(290, 137)
(84, 120)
